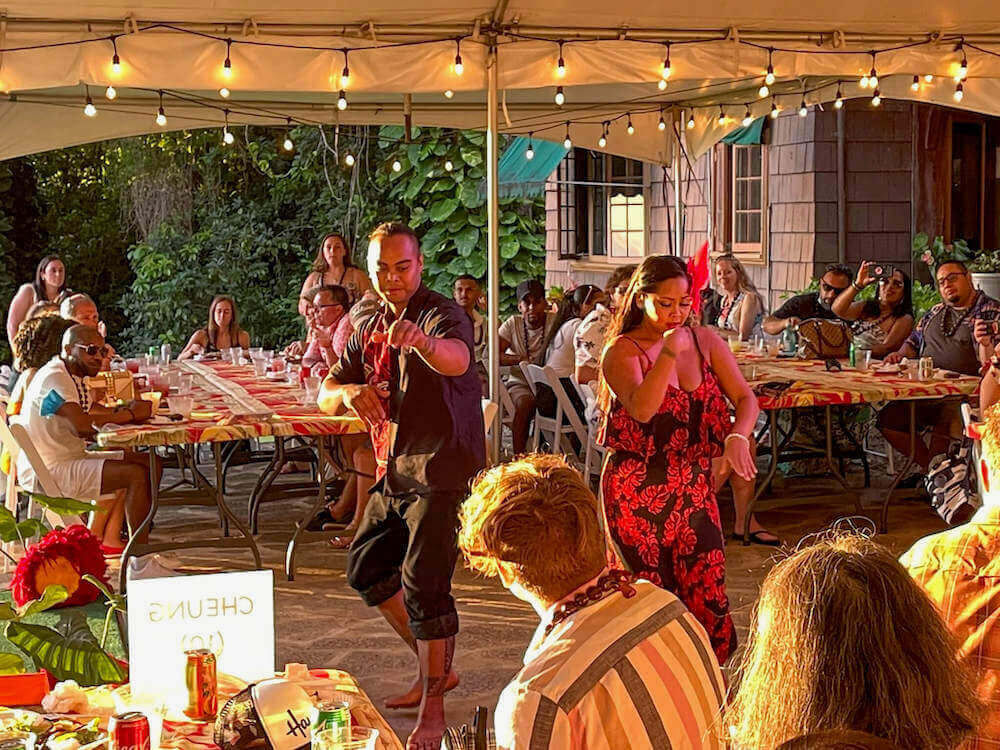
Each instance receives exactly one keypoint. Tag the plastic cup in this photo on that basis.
(311, 385)
(234, 355)
(182, 405)
(359, 738)
(256, 352)
(185, 384)
(260, 367)
(154, 397)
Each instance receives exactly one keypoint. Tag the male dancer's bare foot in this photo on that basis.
(427, 734)
(411, 698)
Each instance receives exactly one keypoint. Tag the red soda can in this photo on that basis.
(202, 684)
(128, 731)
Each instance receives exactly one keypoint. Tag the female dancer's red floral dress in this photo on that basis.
(661, 507)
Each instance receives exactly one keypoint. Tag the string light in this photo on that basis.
(803, 107)
(722, 116)
(288, 145)
(963, 67)
(560, 96)
(665, 69)
(448, 166)
(915, 86)
(872, 76)
(224, 92)
(747, 117)
(345, 74)
(448, 94)
(763, 91)
(630, 128)
(561, 65)
(397, 166)
(342, 101)
(529, 154)
(929, 78)
(88, 108)
(691, 121)
(662, 124)
(116, 63)
(959, 92)
(774, 110)
(662, 84)
(227, 137)
(838, 103)
(459, 68)
(603, 140)
(863, 83)
(568, 142)
(161, 116)
(349, 159)
(769, 77)
(110, 92)
(876, 98)
(227, 66)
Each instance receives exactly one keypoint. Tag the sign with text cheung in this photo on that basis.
(232, 614)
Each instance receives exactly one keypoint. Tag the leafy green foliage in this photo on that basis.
(69, 653)
(934, 252)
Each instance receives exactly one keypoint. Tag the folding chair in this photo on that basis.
(587, 395)
(490, 410)
(969, 417)
(569, 412)
(552, 427)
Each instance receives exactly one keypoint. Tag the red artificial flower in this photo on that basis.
(61, 557)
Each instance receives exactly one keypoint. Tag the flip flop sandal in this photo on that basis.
(757, 538)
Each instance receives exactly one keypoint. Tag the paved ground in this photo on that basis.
(321, 622)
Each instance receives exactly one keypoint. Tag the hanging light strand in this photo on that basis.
(345, 74)
(561, 64)
(963, 67)
(529, 153)
(838, 103)
(665, 69)
(161, 116)
(288, 144)
(88, 108)
(227, 136)
(568, 142)
(116, 63)
(459, 68)
(227, 65)
(630, 128)
(747, 116)
(769, 75)
(603, 140)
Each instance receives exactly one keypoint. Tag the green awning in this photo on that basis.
(748, 135)
(519, 175)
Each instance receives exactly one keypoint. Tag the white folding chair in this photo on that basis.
(587, 395)
(490, 410)
(552, 427)
(569, 413)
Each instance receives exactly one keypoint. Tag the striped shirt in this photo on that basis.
(620, 674)
(959, 569)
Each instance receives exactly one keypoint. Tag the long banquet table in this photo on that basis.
(230, 404)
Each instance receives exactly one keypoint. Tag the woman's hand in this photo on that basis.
(864, 277)
(737, 455)
(677, 341)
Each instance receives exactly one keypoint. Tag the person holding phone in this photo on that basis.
(881, 324)
(665, 417)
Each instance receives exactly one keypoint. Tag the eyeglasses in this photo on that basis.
(332, 304)
(950, 278)
(835, 289)
(93, 349)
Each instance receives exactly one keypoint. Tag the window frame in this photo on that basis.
(754, 253)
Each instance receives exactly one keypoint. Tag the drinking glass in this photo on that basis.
(260, 367)
(165, 354)
(182, 405)
(863, 359)
(311, 385)
(278, 364)
(234, 355)
(773, 345)
(268, 354)
(256, 352)
(294, 372)
(361, 738)
(185, 384)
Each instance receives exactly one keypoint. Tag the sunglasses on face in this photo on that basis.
(835, 289)
(93, 349)
(951, 278)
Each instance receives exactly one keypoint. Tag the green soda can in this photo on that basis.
(335, 715)
(853, 355)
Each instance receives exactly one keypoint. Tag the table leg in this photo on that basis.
(224, 509)
(264, 482)
(321, 461)
(772, 417)
(154, 501)
(907, 464)
(832, 463)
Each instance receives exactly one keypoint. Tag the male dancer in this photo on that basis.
(408, 374)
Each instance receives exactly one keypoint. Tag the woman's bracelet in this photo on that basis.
(857, 287)
(738, 436)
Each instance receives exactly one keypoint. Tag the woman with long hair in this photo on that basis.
(333, 266)
(881, 324)
(842, 638)
(741, 307)
(49, 283)
(664, 418)
(222, 332)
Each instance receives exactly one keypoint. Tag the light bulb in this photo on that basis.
(769, 78)
(224, 92)
(448, 166)
(929, 78)
(864, 82)
(915, 86)
(560, 96)
(349, 160)
(665, 69)
(449, 94)
(662, 84)
(763, 91)
(873, 79)
(459, 68)
(959, 92)
(345, 77)
(747, 119)
(839, 101)
(803, 109)
(530, 153)
(397, 166)
(341, 101)
(111, 92)
(161, 117)
(774, 111)
(963, 69)
(602, 141)
(89, 109)
(567, 143)
(691, 122)
(116, 65)
(630, 128)
(227, 69)
(876, 98)
(662, 124)
(227, 137)
(288, 145)
(722, 118)
(561, 68)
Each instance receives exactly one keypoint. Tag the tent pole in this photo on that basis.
(678, 200)
(493, 242)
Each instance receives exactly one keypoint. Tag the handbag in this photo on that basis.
(949, 482)
(824, 339)
(477, 737)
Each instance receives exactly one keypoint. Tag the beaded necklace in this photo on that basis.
(946, 313)
(609, 583)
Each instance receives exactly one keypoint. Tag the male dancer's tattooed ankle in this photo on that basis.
(434, 687)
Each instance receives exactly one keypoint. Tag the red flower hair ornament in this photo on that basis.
(61, 557)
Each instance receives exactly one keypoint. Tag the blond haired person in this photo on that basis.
(629, 668)
(842, 638)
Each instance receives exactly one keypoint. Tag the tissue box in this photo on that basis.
(111, 387)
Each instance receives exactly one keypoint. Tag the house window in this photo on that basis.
(741, 201)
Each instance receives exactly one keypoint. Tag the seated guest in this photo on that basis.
(333, 266)
(296, 348)
(741, 304)
(819, 304)
(81, 309)
(882, 324)
(468, 294)
(222, 332)
(59, 418)
(588, 341)
(561, 355)
(615, 663)
(329, 326)
(953, 334)
(957, 569)
(43, 307)
(843, 639)
(989, 386)
(525, 338)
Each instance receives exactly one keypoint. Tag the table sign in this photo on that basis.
(230, 613)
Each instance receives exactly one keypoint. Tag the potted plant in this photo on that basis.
(986, 272)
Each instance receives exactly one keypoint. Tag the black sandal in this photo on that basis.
(756, 538)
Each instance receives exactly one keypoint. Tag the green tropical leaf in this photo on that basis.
(414, 188)
(64, 506)
(472, 155)
(12, 664)
(509, 247)
(478, 219)
(54, 594)
(470, 197)
(442, 209)
(466, 241)
(69, 653)
(32, 527)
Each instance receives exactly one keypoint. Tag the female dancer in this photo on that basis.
(665, 418)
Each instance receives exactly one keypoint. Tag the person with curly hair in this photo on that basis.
(843, 639)
(37, 340)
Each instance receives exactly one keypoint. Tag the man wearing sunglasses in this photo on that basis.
(817, 304)
(956, 334)
(59, 417)
(329, 326)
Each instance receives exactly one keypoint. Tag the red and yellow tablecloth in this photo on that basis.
(811, 384)
(213, 421)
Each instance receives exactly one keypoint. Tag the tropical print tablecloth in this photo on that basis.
(218, 417)
(811, 384)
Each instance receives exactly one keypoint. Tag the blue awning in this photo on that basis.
(748, 135)
(519, 175)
